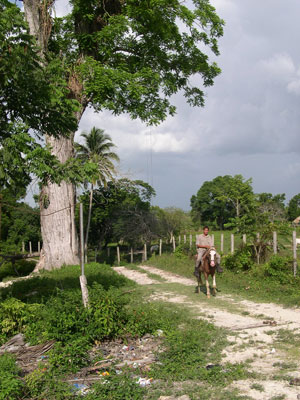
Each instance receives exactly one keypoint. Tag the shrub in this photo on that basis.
(240, 260)
(42, 384)
(183, 250)
(71, 356)
(280, 268)
(10, 383)
(14, 317)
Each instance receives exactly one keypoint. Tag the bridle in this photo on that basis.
(210, 254)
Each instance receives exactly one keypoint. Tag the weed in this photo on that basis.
(10, 383)
(43, 384)
(258, 387)
(285, 365)
(187, 352)
(117, 387)
(14, 316)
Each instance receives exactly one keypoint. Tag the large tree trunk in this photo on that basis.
(57, 202)
(57, 205)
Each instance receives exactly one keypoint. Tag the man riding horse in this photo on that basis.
(203, 243)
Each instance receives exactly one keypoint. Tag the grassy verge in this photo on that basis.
(49, 307)
(251, 284)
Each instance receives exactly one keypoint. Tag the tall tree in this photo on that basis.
(120, 55)
(294, 207)
(208, 207)
(121, 211)
(273, 205)
(221, 199)
(97, 149)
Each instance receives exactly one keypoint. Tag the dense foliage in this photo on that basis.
(223, 198)
(294, 207)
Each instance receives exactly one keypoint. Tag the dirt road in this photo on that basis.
(266, 336)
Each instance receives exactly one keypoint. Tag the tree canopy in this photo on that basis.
(294, 207)
(119, 55)
(121, 211)
(222, 199)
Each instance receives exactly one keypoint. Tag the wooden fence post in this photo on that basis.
(30, 248)
(82, 278)
(184, 239)
(295, 253)
(160, 246)
(118, 255)
(145, 252)
(244, 238)
(23, 247)
(131, 255)
(191, 241)
(179, 239)
(232, 244)
(213, 239)
(222, 243)
(275, 242)
(174, 244)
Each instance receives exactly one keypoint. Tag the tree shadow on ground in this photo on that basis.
(39, 288)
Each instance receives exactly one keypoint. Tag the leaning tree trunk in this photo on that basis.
(57, 202)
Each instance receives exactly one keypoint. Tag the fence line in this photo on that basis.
(231, 246)
(192, 240)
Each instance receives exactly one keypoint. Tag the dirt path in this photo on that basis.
(263, 335)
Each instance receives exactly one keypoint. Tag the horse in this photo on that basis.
(208, 267)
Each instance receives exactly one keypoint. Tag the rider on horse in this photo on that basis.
(203, 243)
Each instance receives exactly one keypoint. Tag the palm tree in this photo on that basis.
(97, 149)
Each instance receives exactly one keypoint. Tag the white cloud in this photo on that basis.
(294, 87)
(279, 65)
(163, 143)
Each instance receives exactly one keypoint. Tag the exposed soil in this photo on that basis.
(254, 328)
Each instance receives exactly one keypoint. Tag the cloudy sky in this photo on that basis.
(250, 124)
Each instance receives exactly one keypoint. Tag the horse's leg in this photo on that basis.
(214, 285)
(207, 285)
(198, 283)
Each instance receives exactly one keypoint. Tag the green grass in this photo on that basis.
(252, 284)
(284, 241)
(21, 268)
(49, 306)
(258, 387)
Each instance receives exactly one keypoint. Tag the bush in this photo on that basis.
(42, 384)
(183, 250)
(117, 387)
(10, 383)
(280, 268)
(240, 260)
(69, 357)
(15, 316)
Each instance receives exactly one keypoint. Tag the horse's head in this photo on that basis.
(211, 257)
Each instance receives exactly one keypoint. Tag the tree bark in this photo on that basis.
(57, 205)
(57, 202)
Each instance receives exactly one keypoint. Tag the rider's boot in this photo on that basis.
(219, 268)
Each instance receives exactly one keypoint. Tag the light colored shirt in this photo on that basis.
(203, 240)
